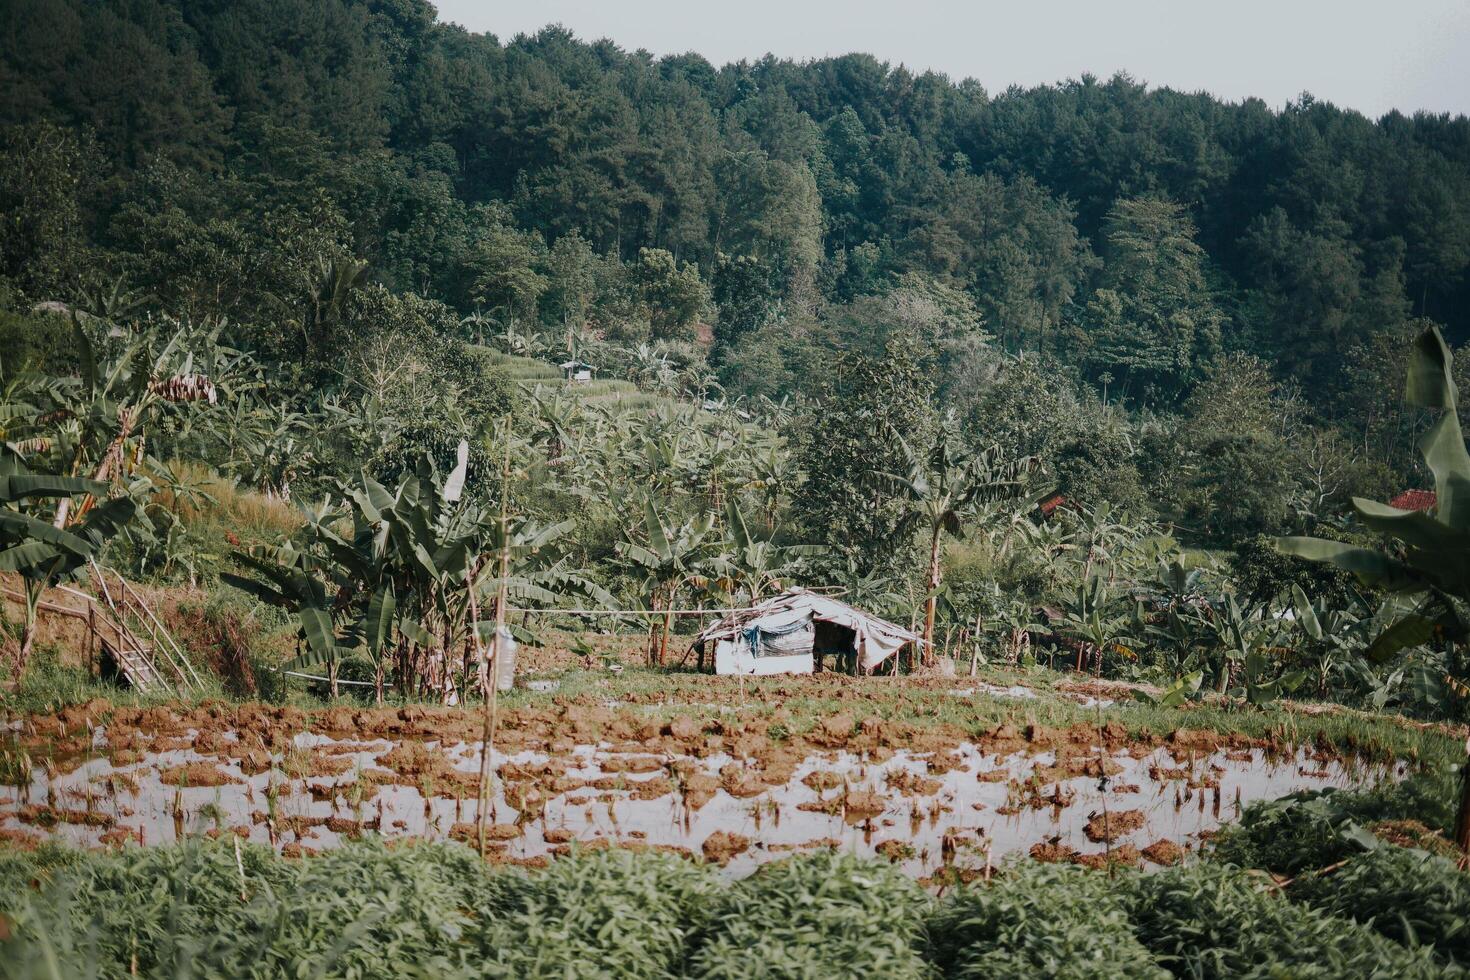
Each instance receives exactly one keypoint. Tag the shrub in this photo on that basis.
(193, 910)
(1313, 829)
(1216, 921)
(822, 914)
(1410, 896)
(600, 912)
(1039, 920)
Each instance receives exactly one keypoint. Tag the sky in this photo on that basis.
(1369, 55)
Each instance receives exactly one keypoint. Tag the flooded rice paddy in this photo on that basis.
(732, 792)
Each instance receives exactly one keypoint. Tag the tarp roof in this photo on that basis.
(875, 639)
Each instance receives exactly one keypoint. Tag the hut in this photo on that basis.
(793, 632)
(575, 370)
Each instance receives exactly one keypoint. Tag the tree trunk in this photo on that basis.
(652, 657)
(27, 641)
(28, 628)
(1462, 818)
(663, 643)
(932, 603)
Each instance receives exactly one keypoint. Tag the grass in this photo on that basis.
(531, 373)
(227, 508)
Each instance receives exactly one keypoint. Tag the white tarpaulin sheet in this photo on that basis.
(776, 629)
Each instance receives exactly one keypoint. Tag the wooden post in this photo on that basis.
(93, 668)
(492, 696)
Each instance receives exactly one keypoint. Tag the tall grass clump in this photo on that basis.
(821, 914)
(1039, 920)
(597, 914)
(1213, 921)
(1407, 895)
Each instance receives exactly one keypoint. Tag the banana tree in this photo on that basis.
(126, 380)
(1098, 620)
(672, 559)
(1427, 559)
(1428, 553)
(748, 566)
(944, 488)
(1244, 641)
(391, 572)
(42, 554)
(1333, 636)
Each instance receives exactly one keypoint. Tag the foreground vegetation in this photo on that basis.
(1346, 904)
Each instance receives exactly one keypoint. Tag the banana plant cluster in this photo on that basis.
(398, 576)
(42, 554)
(1425, 561)
(673, 557)
(950, 489)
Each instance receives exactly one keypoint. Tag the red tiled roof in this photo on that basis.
(1050, 504)
(1414, 500)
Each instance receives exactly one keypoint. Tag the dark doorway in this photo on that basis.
(838, 641)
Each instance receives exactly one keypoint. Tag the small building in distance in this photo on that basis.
(792, 633)
(1415, 500)
(575, 371)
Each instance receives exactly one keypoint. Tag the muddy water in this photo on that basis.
(961, 808)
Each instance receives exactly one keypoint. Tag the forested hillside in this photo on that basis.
(1189, 317)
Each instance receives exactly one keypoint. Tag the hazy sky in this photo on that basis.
(1370, 55)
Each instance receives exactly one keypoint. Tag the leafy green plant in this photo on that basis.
(823, 914)
(1039, 920)
(1412, 897)
(669, 557)
(40, 551)
(1216, 921)
(610, 911)
(1296, 833)
(944, 490)
(1427, 560)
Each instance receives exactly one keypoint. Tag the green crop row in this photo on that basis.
(208, 908)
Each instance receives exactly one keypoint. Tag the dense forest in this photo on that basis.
(1190, 318)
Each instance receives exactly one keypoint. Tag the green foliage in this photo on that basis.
(1216, 921)
(818, 914)
(218, 908)
(1411, 897)
(1316, 829)
(1038, 920)
(1295, 833)
(344, 915)
(1151, 322)
(614, 910)
(1429, 559)
(848, 501)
